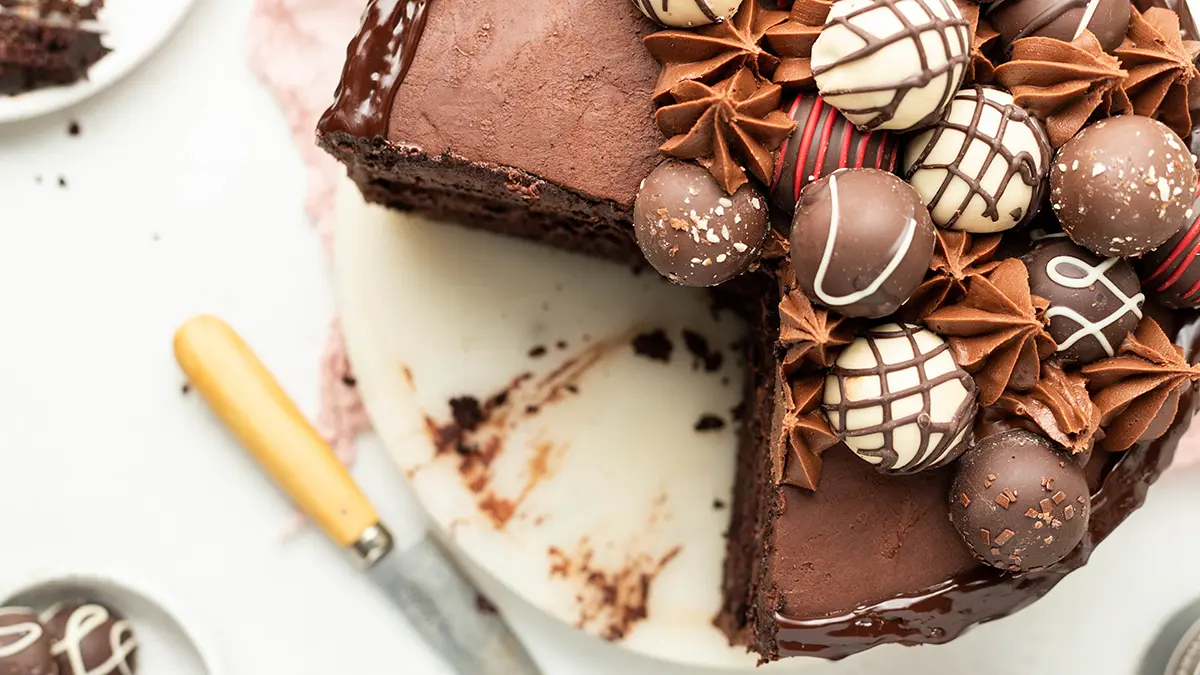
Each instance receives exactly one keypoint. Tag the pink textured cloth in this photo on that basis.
(297, 47)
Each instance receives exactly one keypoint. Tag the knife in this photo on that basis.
(431, 590)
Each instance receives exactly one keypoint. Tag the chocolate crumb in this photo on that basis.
(561, 344)
(738, 413)
(654, 345)
(709, 358)
(62, 181)
(467, 413)
(186, 388)
(709, 422)
(74, 129)
(537, 352)
(532, 410)
(349, 381)
(718, 504)
(484, 605)
(573, 388)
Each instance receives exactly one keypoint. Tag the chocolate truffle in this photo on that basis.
(982, 167)
(1019, 503)
(861, 242)
(899, 400)
(823, 142)
(691, 231)
(687, 13)
(1094, 302)
(24, 644)
(1171, 272)
(90, 639)
(1060, 19)
(1123, 185)
(891, 64)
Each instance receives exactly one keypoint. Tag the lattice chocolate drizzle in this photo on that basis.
(658, 9)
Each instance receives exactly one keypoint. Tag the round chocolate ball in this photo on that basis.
(90, 638)
(691, 231)
(1094, 302)
(1171, 272)
(861, 242)
(687, 13)
(823, 142)
(891, 64)
(1019, 503)
(1060, 19)
(1122, 185)
(899, 400)
(24, 644)
(982, 167)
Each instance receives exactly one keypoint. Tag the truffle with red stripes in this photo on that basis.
(1171, 272)
(823, 142)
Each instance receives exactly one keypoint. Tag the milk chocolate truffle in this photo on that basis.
(823, 142)
(691, 231)
(982, 167)
(24, 644)
(1123, 185)
(861, 242)
(1094, 302)
(1060, 19)
(90, 639)
(1019, 504)
(891, 64)
(899, 400)
(687, 13)
(1171, 272)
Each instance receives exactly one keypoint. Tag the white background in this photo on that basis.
(184, 194)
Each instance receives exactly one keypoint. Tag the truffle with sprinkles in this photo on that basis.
(1123, 185)
(691, 231)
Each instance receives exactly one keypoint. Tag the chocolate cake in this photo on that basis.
(46, 43)
(949, 400)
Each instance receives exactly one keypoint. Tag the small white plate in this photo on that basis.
(134, 29)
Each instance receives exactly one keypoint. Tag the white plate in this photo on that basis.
(609, 486)
(134, 29)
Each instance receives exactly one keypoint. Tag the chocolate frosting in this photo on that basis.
(1064, 83)
(807, 432)
(997, 332)
(957, 258)
(1138, 390)
(733, 126)
(980, 69)
(372, 74)
(793, 39)
(811, 336)
(942, 612)
(1059, 405)
(1161, 68)
(714, 52)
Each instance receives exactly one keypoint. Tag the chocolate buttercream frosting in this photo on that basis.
(1064, 83)
(1161, 68)
(811, 336)
(793, 39)
(714, 52)
(731, 126)
(957, 258)
(1060, 406)
(997, 332)
(980, 69)
(807, 431)
(1138, 390)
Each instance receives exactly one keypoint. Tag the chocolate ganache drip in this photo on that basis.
(377, 61)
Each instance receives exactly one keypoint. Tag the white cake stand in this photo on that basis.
(604, 503)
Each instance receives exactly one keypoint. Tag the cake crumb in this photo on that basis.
(718, 505)
(349, 381)
(467, 413)
(74, 129)
(709, 422)
(537, 352)
(484, 605)
(654, 345)
(705, 356)
(186, 388)
(62, 181)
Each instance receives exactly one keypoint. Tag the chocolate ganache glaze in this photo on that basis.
(943, 612)
(372, 73)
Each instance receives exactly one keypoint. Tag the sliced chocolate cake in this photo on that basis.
(46, 43)
(951, 398)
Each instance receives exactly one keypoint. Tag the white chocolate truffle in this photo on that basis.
(983, 166)
(891, 64)
(899, 400)
(688, 13)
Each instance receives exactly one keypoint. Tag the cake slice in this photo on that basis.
(46, 43)
(538, 122)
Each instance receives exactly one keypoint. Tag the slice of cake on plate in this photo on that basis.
(46, 43)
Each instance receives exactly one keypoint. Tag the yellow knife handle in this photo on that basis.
(248, 399)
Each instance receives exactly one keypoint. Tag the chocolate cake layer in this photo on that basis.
(535, 121)
(35, 53)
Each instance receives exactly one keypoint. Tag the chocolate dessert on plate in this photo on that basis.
(964, 237)
(46, 43)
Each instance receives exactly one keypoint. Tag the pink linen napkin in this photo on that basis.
(297, 47)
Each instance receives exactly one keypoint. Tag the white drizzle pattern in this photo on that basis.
(910, 232)
(27, 633)
(1091, 275)
(1088, 12)
(82, 622)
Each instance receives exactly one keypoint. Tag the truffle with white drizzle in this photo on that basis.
(891, 64)
(90, 639)
(861, 242)
(1094, 302)
(982, 167)
(24, 644)
(897, 397)
(1060, 19)
(688, 13)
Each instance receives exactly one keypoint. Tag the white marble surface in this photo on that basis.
(184, 195)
